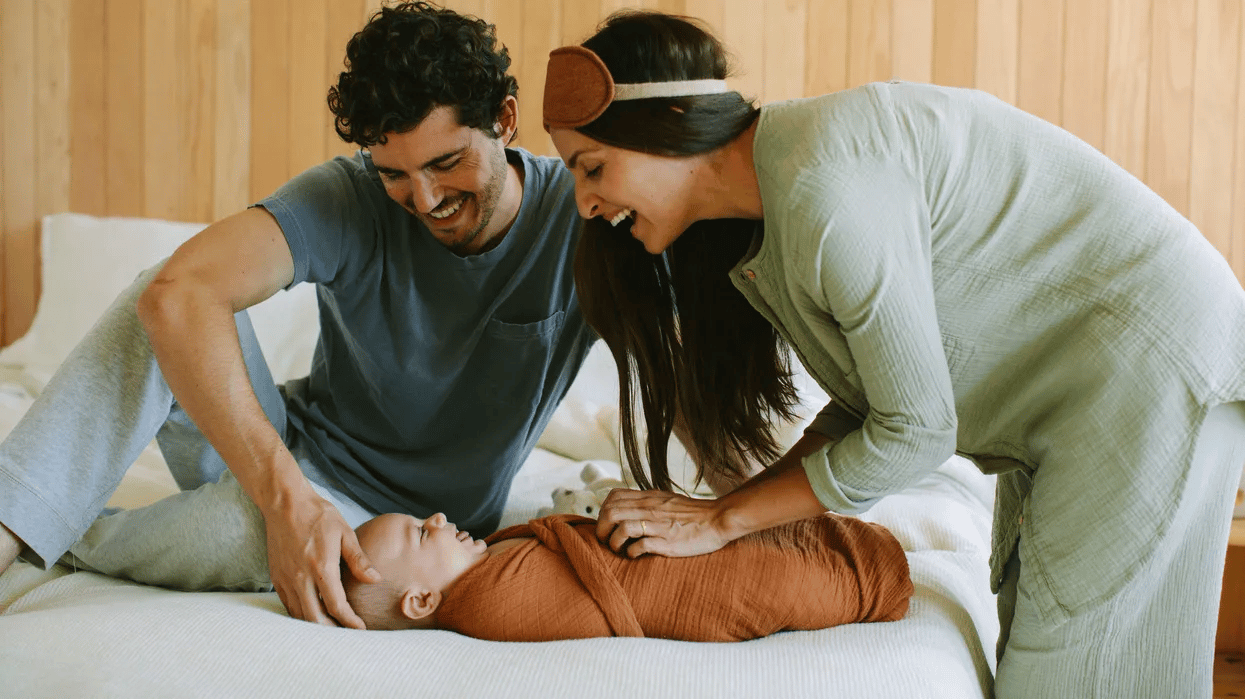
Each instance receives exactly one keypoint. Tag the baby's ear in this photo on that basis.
(419, 603)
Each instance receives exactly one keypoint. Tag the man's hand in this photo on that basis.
(307, 540)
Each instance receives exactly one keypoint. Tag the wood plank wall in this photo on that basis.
(191, 109)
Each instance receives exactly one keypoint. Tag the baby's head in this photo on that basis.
(418, 560)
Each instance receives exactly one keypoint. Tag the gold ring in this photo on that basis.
(643, 529)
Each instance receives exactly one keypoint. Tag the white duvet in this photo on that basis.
(74, 634)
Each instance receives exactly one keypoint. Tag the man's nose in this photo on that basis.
(425, 193)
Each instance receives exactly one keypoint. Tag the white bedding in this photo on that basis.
(67, 634)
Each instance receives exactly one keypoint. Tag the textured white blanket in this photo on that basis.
(83, 635)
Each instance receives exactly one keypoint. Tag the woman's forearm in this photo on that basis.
(777, 495)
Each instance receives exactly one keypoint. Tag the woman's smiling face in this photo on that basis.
(618, 184)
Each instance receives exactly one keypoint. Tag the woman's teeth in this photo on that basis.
(447, 211)
(621, 216)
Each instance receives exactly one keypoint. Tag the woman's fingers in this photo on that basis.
(639, 522)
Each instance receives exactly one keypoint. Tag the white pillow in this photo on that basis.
(88, 260)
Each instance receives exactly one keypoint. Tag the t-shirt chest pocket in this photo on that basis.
(509, 364)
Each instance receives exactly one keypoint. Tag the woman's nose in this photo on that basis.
(589, 204)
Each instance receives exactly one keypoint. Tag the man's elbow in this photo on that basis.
(164, 306)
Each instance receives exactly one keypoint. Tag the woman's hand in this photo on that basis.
(636, 522)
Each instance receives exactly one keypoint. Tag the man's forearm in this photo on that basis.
(195, 341)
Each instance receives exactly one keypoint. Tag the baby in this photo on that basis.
(551, 579)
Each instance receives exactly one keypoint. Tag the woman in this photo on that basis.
(960, 277)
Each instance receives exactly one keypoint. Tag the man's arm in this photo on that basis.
(188, 311)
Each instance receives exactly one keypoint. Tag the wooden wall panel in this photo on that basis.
(1085, 70)
(1237, 231)
(125, 118)
(825, 68)
(1128, 70)
(912, 36)
(955, 42)
(17, 113)
(1040, 69)
(231, 123)
(88, 125)
(270, 95)
(784, 55)
(193, 109)
(1215, 87)
(998, 54)
(1170, 127)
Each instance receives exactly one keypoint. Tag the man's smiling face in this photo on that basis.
(454, 178)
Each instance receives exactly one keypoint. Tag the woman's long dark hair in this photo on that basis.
(681, 334)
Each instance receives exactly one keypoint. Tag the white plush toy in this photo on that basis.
(586, 501)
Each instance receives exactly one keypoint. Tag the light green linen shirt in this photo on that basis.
(961, 276)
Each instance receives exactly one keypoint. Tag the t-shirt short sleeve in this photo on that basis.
(329, 216)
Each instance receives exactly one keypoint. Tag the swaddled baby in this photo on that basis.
(551, 579)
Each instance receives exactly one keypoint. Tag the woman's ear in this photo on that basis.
(419, 603)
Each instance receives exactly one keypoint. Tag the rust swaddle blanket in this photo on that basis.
(563, 583)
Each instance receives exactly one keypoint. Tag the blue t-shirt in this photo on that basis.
(434, 374)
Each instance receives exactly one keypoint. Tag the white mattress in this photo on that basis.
(65, 634)
(68, 634)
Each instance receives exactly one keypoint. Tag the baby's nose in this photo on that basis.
(437, 520)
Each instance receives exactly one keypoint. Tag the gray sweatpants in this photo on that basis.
(63, 460)
(1155, 638)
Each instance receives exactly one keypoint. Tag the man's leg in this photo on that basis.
(66, 456)
(64, 459)
(209, 538)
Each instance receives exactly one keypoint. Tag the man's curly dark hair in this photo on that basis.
(412, 58)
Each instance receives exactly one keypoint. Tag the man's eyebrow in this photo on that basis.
(442, 158)
(435, 161)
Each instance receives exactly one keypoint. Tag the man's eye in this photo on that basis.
(443, 167)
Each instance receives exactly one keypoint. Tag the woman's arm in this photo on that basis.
(669, 524)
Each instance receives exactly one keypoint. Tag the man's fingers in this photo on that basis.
(334, 597)
(313, 610)
(290, 602)
(358, 562)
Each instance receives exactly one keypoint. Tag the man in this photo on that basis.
(449, 332)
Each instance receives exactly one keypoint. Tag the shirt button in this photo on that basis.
(1021, 520)
(750, 274)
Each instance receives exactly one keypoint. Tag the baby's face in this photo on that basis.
(431, 551)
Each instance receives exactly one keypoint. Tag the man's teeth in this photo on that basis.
(448, 211)
(621, 216)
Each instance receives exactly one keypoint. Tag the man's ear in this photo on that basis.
(419, 602)
(507, 125)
